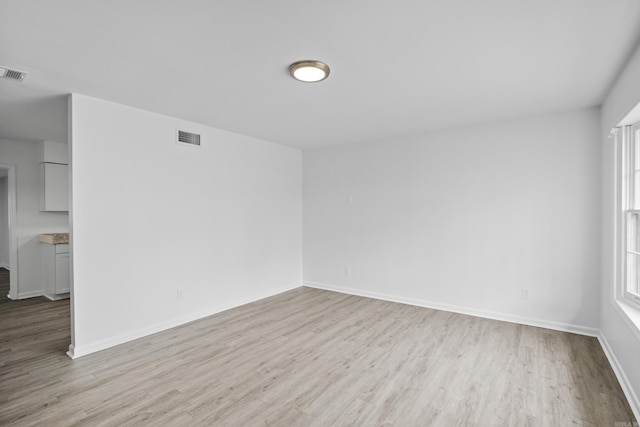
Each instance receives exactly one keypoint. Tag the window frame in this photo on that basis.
(630, 207)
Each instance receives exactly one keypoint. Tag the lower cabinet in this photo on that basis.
(57, 279)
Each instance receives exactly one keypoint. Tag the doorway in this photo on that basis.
(8, 232)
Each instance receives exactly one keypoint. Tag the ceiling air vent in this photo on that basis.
(188, 138)
(7, 73)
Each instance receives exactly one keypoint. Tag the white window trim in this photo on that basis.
(629, 135)
(629, 310)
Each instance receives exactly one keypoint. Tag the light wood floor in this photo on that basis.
(308, 357)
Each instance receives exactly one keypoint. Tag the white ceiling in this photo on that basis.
(397, 67)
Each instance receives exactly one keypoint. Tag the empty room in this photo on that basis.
(296, 213)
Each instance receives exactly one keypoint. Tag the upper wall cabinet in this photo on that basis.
(54, 177)
(54, 152)
(54, 181)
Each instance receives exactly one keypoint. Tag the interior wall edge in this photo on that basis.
(76, 351)
(25, 295)
(624, 381)
(470, 311)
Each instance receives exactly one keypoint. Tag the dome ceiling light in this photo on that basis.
(309, 71)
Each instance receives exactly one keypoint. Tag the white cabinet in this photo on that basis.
(57, 278)
(54, 152)
(54, 195)
(63, 279)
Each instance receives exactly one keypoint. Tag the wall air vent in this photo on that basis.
(7, 73)
(188, 138)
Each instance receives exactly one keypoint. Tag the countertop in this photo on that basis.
(54, 238)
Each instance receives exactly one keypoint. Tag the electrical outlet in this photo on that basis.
(347, 271)
(179, 294)
(525, 293)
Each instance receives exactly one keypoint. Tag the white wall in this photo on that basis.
(30, 221)
(222, 223)
(4, 223)
(624, 343)
(464, 219)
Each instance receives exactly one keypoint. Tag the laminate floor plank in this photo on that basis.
(307, 358)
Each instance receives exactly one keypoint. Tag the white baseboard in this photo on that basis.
(76, 351)
(548, 324)
(630, 394)
(71, 352)
(57, 297)
(627, 388)
(23, 295)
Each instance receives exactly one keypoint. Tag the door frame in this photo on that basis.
(13, 230)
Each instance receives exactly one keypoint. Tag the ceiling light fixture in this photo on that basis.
(309, 71)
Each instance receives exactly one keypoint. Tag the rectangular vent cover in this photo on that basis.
(188, 138)
(7, 73)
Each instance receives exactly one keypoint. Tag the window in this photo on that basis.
(631, 212)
